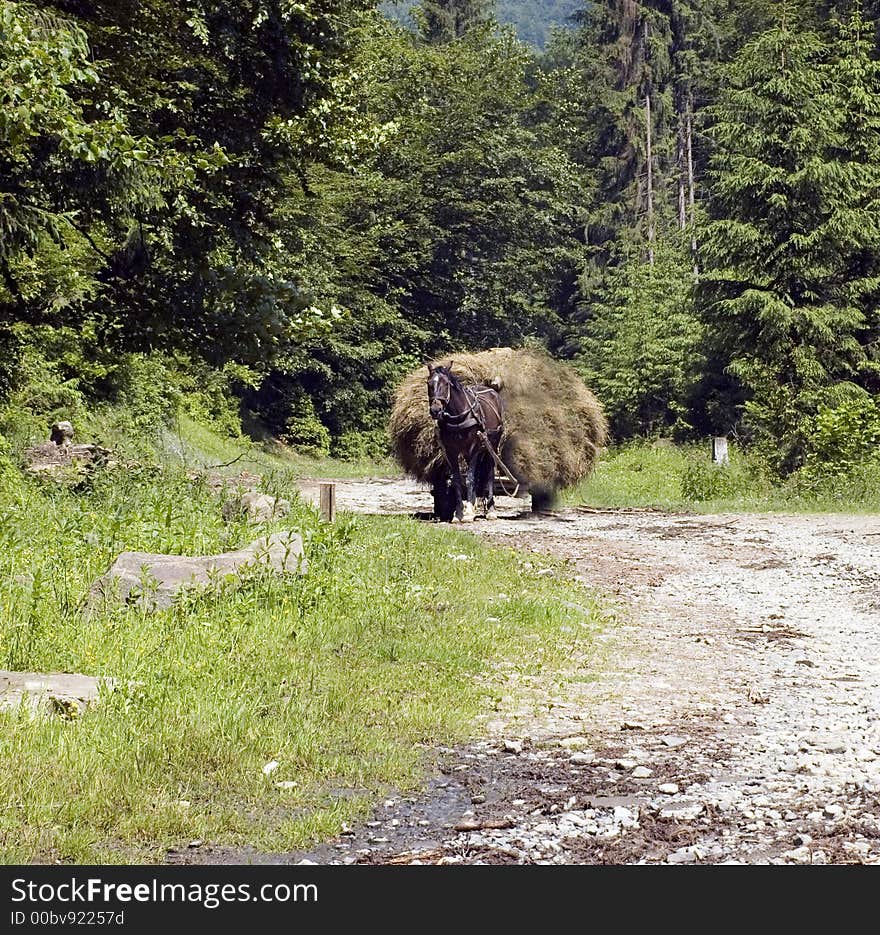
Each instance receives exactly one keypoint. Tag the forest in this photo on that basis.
(277, 209)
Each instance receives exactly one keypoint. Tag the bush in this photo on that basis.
(701, 479)
(842, 439)
(361, 446)
(304, 429)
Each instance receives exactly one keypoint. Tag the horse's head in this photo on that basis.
(439, 389)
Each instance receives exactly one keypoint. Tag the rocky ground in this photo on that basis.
(730, 715)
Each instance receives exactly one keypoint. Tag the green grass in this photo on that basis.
(347, 677)
(190, 444)
(683, 478)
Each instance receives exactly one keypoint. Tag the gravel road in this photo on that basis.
(730, 715)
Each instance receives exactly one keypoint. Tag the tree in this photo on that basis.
(445, 20)
(641, 350)
(169, 162)
(791, 206)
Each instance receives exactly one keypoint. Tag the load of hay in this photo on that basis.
(554, 427)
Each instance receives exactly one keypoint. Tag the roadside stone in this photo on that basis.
(64, 694)
(582, 759)
(684, 855)
(672, 741)
(668, 788)
(256, 507)
(833, 810)
(683, 812)
(153, 580)
(642, 772)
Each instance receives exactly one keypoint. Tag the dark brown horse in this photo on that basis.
(468, 419)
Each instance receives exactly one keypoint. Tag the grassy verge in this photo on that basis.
(344, 678)
(191, 445)
(683, 478)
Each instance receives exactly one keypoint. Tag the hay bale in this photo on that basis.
(554, 427)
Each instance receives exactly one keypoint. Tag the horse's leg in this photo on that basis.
(458, 494)
(490, 482)
(468, 507)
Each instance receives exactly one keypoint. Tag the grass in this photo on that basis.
(190, 444)
(347, 678)
(683, 478)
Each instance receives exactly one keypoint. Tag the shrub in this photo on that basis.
(304, 429)
(360, 446)
(701, 479)
(842, 439)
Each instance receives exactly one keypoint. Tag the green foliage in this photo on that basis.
(701, 480)
(123, 401)
(342, 677)
(361, 446)
(303, 428)
(145, 146)
(794, 214)
(660, 475)
(641, 347)
(842, 439)
(460, 228)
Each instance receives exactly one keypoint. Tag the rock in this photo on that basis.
(258, 507)
(513, 746)
(684, 855)
(625, 816)
(51, 460)
(683, 813)
(62, 693)
(166, 575)
(833, 811)
(581, 759)
(668, 788)
(670, 740)
(61, 433)
(642, 772)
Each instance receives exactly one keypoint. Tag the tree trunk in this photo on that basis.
(690, 169)
(649, 155)
(650, 192)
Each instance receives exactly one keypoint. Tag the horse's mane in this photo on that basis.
(458, 385)
(453, 379)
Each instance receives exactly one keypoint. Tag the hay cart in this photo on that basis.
(554, 427)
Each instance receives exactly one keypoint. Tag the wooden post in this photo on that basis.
(719, 450)
(328, 502)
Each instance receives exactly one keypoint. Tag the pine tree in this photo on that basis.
(852, 231)
(778, 247)
(445, 20)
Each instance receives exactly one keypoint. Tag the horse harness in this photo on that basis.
(470, 418)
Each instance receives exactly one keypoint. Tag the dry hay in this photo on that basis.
(554, 426)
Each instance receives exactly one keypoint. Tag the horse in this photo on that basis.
(468, 419)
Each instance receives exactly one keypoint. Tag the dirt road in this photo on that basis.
(734, 716)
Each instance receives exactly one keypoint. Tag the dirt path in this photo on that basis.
(735, 717)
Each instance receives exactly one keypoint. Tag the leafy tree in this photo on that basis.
(460, 229)
(207, 105)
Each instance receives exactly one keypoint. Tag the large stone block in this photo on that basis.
(166, 575)
(63, 693)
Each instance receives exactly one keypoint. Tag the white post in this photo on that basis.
(719, 450)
